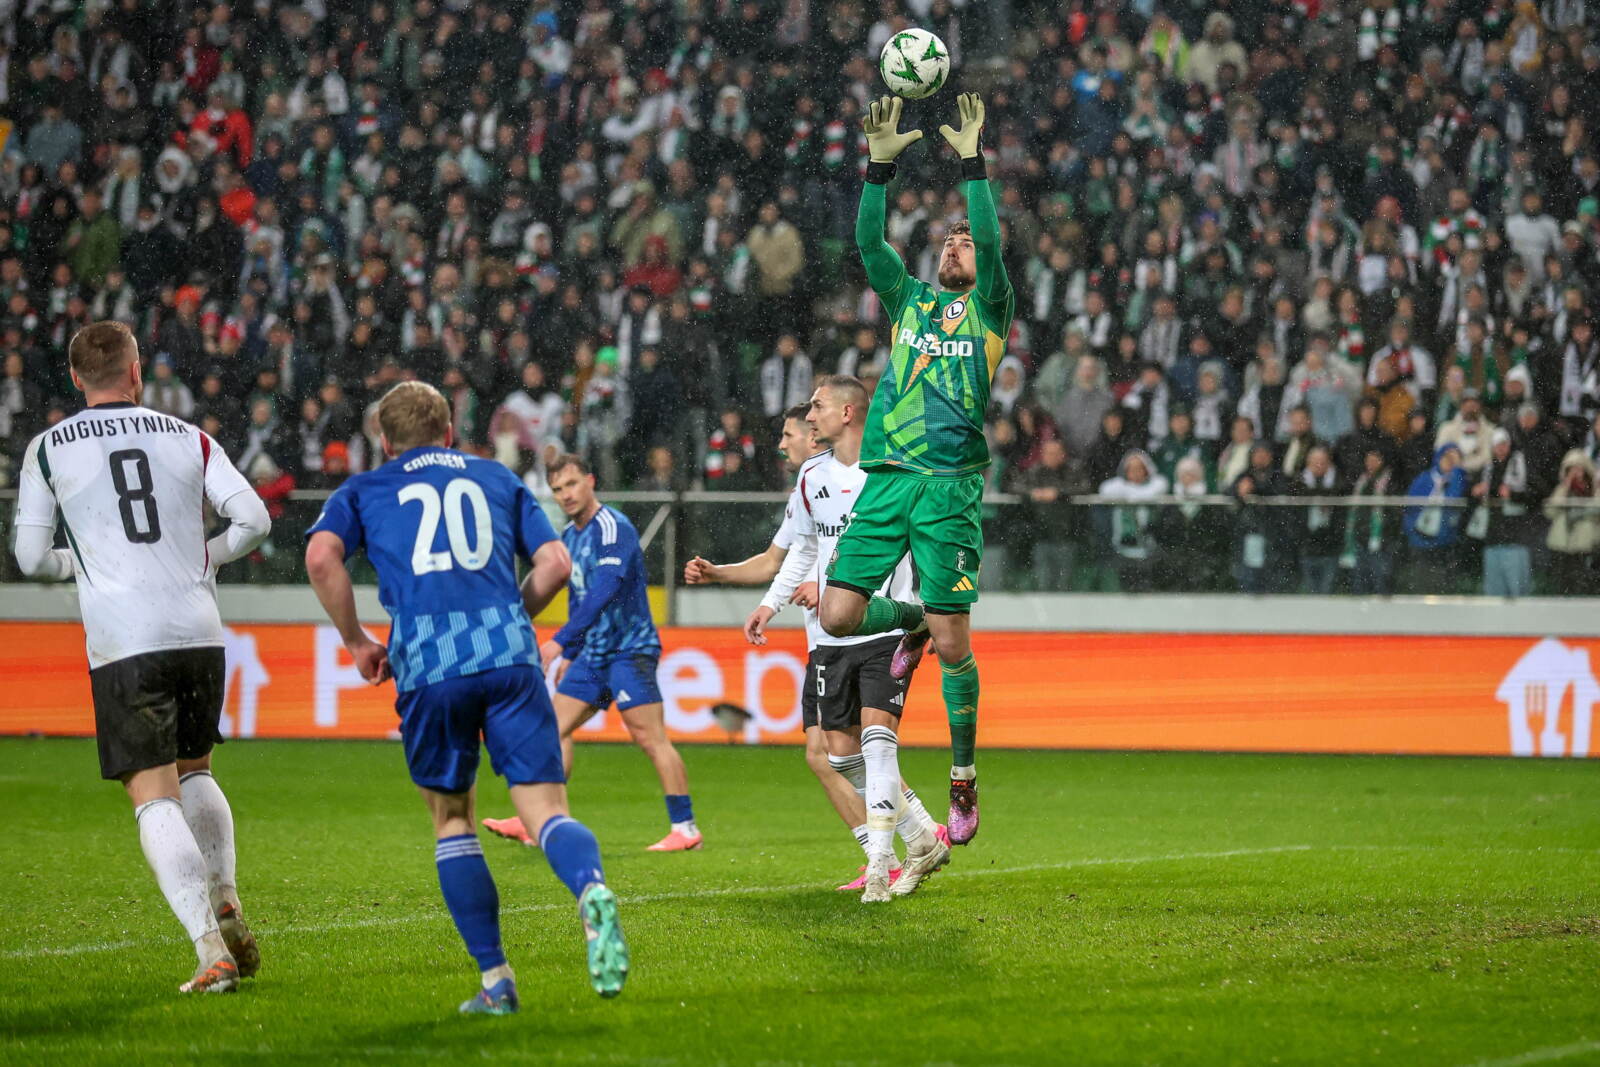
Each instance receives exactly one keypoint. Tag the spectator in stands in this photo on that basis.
(1433, 527)
(1573, 510)
(1192, 536)
(1506, 505)
(1128, 524)
(728, 438)
(1260, 563)
(166, 393)
(1079, 413)
(1372, 533)
(1471, 432)
(1048, 486)
(1321, 534)
(1104, 461)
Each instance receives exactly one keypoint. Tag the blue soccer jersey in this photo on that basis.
(608, 611)
(444, 530)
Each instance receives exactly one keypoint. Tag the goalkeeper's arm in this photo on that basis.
(993, 285)
(885, 270)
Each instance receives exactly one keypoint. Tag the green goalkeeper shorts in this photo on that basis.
(938, 520)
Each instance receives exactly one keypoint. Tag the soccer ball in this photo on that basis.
(914, 64)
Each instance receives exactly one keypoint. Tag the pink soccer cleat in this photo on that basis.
(861, 882)
(963, 826)
(942, 832)
(677, 842)
(907, 654)
(511, 828)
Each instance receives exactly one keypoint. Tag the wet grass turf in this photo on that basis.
(1116, 908)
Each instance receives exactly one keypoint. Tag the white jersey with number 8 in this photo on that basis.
(130, 484)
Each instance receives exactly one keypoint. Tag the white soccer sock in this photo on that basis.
(206, 810)
(861, 838)
(852, 769)
(498, 974)
(180, 870)
(915, 807)
(881, 751)
(965, 774)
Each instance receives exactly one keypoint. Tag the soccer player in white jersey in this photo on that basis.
(130, 485)
(847, 678)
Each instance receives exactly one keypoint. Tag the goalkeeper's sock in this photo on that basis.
(959, 684)
(883, 615)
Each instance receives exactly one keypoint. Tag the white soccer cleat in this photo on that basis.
(919, 866)
(876, 891)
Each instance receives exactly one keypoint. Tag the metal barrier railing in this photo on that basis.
(1085, 542)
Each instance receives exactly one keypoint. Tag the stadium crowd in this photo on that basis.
(1266, 248)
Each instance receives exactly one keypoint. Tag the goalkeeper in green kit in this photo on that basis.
(924, 447)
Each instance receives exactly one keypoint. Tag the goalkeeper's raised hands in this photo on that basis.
(965, 140)
(881, 124)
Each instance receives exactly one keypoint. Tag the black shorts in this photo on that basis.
(808, 694)
(157, 708)
(851, 677)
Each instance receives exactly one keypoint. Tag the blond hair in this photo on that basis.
(100, 353)
(413, 414)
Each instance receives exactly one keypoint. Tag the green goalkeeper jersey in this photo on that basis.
(927, 415)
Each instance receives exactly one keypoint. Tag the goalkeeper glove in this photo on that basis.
(965, 140)
(881, 125)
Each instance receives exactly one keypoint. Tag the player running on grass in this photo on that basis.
(443, 530)
(609, 649)
(130, 484)
(924, 443)
(841, 777)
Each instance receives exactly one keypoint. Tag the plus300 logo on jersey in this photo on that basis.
(931, 344)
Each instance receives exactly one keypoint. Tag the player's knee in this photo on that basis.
(838, 619)
(818, 762)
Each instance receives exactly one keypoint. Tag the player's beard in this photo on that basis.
(955, 278)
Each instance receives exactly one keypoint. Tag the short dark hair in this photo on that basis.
(100, 352)
(848, 384)
(799, 411)
(959, 226)
(565, 460)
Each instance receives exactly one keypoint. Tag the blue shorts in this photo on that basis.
(509, 708)
(629, 678)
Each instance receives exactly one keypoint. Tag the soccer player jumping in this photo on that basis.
(924, 448)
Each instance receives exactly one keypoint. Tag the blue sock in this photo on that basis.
(470, 895)
(679, 809)
(572, 852)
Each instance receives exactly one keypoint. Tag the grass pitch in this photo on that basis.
(1116, 908)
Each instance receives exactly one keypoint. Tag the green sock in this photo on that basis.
(959, 684)
(883, 615)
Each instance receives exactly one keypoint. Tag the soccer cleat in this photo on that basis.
(219, 977)
(608, 952)
(919, 866)
(942, 832)
(240, 941)
(498, 999)
(861, 883)
(511, 828)
(907, 654)
(963, 820)
(674, 842)
(876, 888)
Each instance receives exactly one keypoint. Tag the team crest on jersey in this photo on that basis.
(956, 309)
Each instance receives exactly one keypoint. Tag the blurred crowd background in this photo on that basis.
(1262, 250)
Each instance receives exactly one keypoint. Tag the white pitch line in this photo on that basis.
(1543, 1055)
(653, 898)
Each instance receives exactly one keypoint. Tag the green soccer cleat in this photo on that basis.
(608, 952)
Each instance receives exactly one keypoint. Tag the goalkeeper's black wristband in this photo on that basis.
(974, 169)
(880, 173)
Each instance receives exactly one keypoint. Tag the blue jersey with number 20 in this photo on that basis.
(443, 530)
